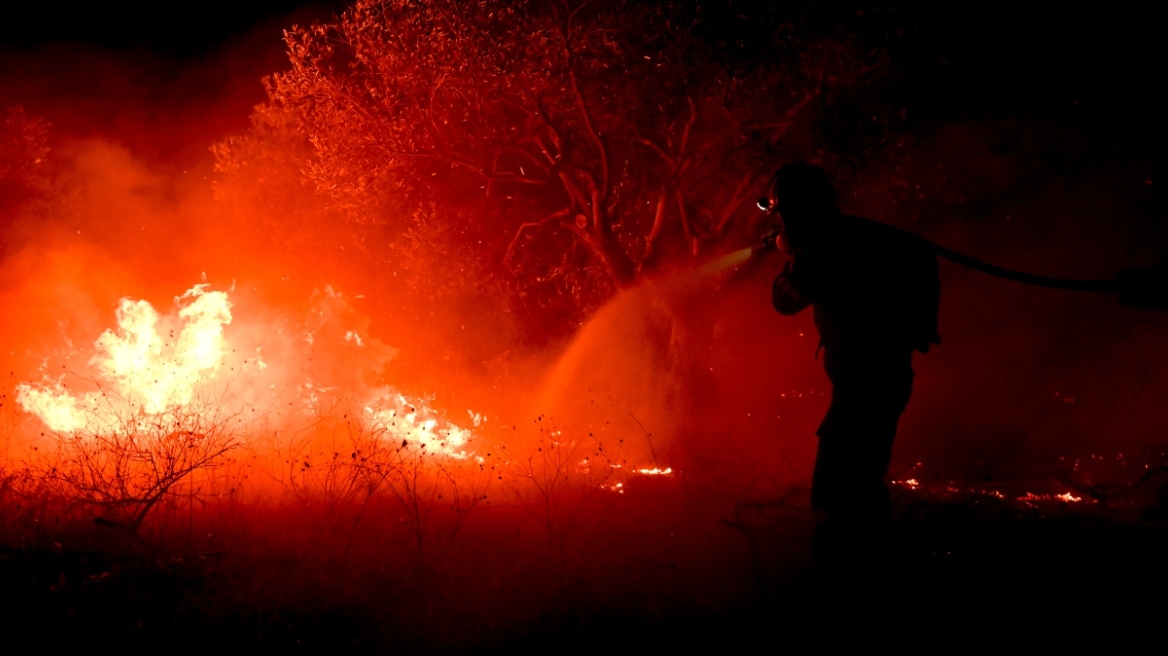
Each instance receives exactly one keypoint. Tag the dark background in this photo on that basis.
(188, 30)
(1090, 66)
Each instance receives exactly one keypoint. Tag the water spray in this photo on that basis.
(727, 261)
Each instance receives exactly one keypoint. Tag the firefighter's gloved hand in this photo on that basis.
(786, 296)
(769, 241)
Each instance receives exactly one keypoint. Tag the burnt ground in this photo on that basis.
(952, 574)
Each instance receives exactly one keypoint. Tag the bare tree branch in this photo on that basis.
(557, 215)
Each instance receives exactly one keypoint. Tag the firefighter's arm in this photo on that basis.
(930, 303)
(786, 296)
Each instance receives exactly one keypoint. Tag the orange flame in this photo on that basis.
(143, 372)
(146, 373)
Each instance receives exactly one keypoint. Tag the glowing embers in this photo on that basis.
(952, 491)
(618, 484)
(1065, 497)
(152, 365)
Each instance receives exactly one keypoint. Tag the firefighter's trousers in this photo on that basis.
(870, 390)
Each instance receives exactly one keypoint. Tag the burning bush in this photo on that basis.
(163, 401)
(146, 424)
(126, 470)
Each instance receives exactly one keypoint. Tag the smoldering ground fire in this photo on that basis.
(453, 341)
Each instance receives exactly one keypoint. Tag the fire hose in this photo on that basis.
(1145, 288)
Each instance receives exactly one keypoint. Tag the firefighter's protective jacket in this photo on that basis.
(871, 286)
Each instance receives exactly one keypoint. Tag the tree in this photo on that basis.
(575, 147)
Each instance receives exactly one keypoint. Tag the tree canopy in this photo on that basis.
(566, 148)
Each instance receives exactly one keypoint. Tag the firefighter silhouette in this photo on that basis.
(874, 292)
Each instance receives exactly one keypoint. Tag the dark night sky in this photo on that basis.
(185, 30)
(1096, 70)
(975, 53)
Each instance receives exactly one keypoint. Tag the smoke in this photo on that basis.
(108, 183)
